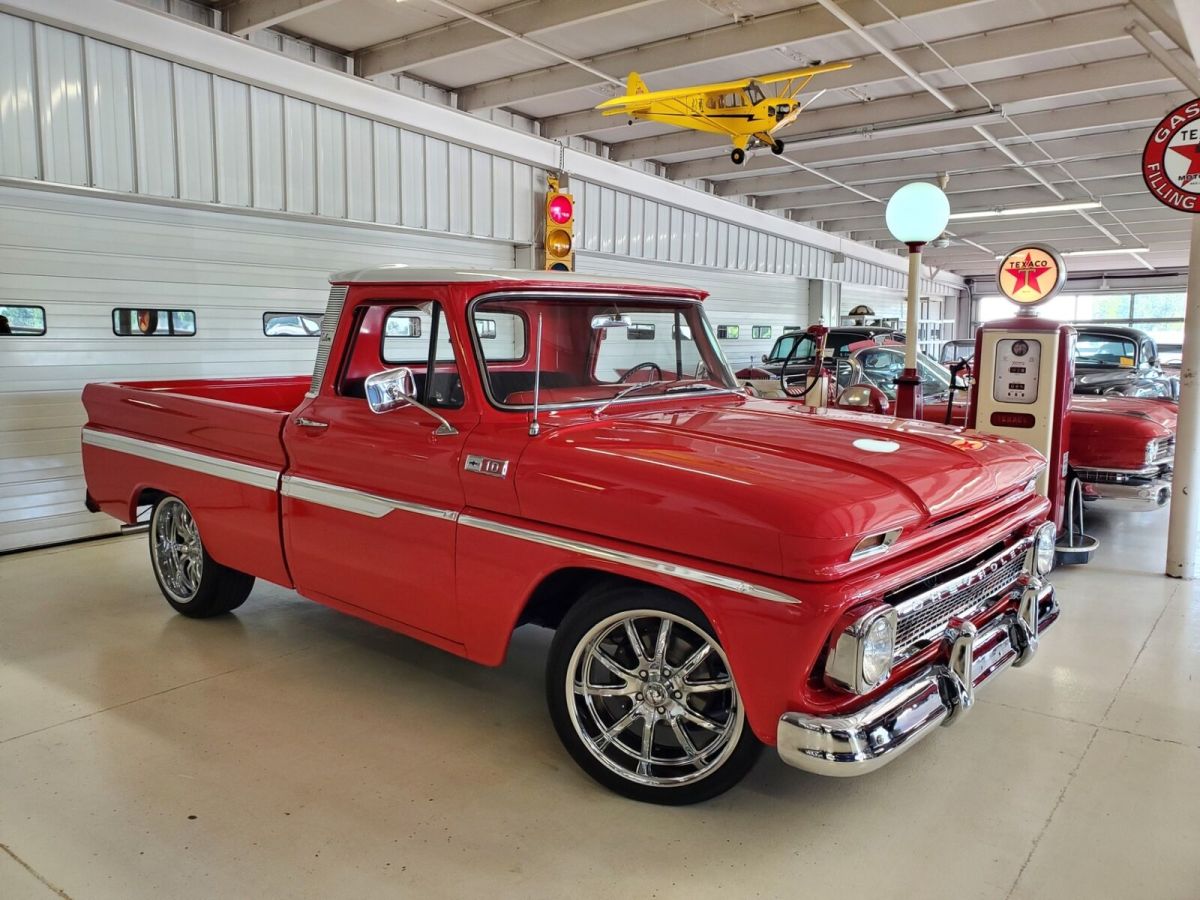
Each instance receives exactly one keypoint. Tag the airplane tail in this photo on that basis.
(635, 85)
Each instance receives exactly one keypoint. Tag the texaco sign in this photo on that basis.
(1031, 274)
(1171, 160)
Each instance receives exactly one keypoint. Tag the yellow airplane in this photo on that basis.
(749, 111)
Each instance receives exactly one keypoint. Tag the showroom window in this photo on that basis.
(292, 324)
(728, 332)
(761, 332)
(640, 331)
(1158, 313)
(136, 322)
(22, 321)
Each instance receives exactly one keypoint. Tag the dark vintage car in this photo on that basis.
(1114, 360)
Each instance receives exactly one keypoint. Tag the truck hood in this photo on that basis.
(773, 487)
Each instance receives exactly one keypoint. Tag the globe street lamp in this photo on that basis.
(915, 215)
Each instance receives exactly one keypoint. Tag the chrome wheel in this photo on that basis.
(178, 554)
(652, 697)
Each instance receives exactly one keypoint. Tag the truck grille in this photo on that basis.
(963, 594)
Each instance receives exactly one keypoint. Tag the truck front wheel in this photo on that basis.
(642, 696)
(194, 583)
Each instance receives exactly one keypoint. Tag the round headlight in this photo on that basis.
(878, 648)
(1043, 548)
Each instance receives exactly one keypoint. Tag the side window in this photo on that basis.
(129, 322)
(292, 324)
(728, 332)
(761, 332)
(22, 321)
(413, 336)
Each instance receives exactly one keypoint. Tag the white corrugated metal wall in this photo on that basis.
(80, 257)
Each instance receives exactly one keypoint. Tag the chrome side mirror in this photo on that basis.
(394, 388)
(864, 398)
(390, 389)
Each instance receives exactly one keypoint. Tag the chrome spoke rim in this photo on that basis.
(652, 697)
(178, 552)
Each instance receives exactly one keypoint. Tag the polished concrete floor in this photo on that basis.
(289, 751)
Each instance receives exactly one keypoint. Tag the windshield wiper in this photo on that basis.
(624, 393)
(703, 386)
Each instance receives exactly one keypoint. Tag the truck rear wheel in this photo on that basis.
(643, 698)
(194, 583)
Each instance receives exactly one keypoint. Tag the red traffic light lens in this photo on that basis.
(560, 208)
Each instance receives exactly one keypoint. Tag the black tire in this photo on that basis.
(582, 721)
(194, 583)
(777, 147)
(738, 155)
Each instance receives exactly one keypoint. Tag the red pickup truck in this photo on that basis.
(476, 451)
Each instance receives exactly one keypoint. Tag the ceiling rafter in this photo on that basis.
(747, 36)
(245, 16)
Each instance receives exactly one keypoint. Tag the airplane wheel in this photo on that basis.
(738, 156)
(777, 147)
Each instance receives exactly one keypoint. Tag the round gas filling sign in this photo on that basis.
(1031, 274)
(1171, 160)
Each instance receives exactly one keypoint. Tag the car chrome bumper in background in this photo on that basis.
(1150, 495)
(873, 736)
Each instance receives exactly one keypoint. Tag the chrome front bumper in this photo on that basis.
(1139, 497)
(873, 736)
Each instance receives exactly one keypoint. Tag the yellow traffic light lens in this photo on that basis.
(558, 242)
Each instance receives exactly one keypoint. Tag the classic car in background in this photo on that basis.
(1122, 448)
(1115, 360)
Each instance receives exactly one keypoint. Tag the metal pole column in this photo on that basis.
(1184, 536)
(909, 397)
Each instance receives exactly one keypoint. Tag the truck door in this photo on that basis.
(371, 500)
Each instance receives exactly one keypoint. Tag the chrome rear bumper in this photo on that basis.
(1139, 497)
(873, 736)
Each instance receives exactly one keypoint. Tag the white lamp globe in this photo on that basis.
(917, 213)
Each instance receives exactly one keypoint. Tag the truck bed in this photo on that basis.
(175, 435)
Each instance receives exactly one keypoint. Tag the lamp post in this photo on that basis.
(915, 215)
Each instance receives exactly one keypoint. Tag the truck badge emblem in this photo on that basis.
(481, 465)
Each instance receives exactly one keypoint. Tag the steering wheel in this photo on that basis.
(624, 379)
(786, 387)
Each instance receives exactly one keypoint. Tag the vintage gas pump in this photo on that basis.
(1024, 370)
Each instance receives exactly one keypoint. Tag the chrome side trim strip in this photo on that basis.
(629, 559)
(243, 473)
(350, 500)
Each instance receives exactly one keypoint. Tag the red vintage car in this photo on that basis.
(1122, 448)
(477, 451)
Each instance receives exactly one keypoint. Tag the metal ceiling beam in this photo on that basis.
(966, 201)
(528, 17)
(1163, 21)
(746, 36)
(1109, 115)
(245, 16)
(1078, 30)
(930, 165)
(1044, 85)
(996, 178)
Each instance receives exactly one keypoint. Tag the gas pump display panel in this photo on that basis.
(1018, 365)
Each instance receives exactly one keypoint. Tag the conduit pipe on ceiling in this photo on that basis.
(851, 23)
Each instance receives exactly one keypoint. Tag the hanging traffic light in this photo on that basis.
(560, 228)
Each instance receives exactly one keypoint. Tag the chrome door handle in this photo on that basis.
(311, 423)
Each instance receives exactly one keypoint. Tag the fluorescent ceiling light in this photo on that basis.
(1110, 252)
(1027, 210)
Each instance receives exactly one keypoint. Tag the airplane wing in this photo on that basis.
(644, 98)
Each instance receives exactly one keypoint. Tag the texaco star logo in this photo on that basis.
(1030, 275)
(1171, 160)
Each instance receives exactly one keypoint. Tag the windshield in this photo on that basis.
(1105, 350)
(594, 350)
(881, 366)
(803, 343)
